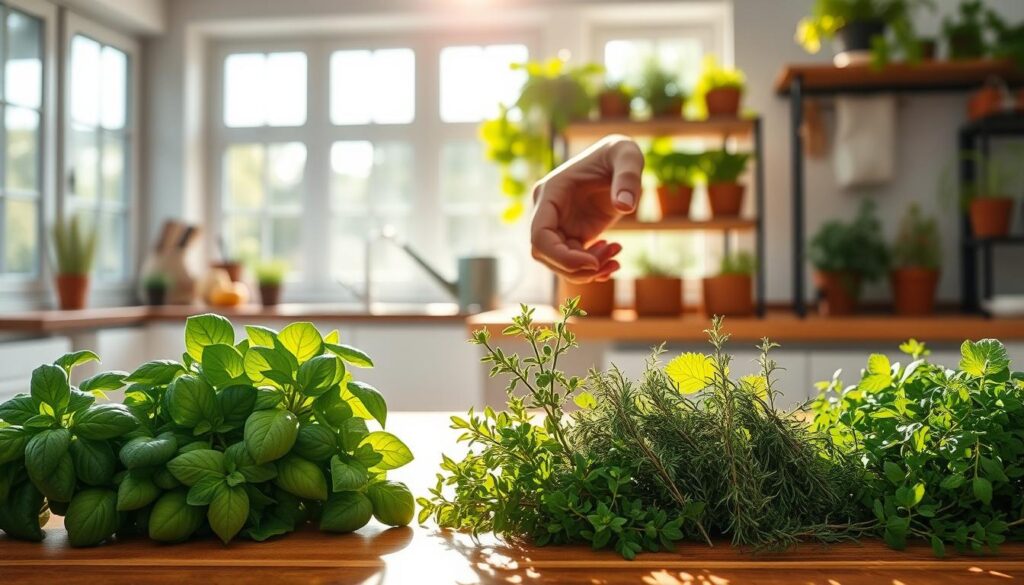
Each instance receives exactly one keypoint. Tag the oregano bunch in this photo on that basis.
(254, 437)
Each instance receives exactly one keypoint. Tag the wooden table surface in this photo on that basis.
(425, 555)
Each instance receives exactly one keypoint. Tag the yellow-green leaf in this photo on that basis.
(756, 385)
(878, 374)
(692, 372)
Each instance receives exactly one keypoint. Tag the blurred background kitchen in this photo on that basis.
(840, 175)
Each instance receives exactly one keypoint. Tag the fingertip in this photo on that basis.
(625, 201)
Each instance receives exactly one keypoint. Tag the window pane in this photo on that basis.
(84, 164)
(285, 89)
(265, 89)
(243, 166)
(378, 176)
(112, 245)
(20, 235)
(22, 149)
(23, 74)
(474, 80)
(114, 87)
(287, 166)
(113, 168)
(373, 86)
(286, 241)
(465, 176)
(85, 80)
(351, 165)
(242, 237)
(626, 59)
(243, 83)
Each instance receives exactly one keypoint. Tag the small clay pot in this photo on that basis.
(72, 290)
(723, 102)
(929, 49)
(726, 199)
(730, 295)
(913, 290)
(658, 296)
(675, 200)
(985, 102)
(234, 269)
(838, 292)
(672, 109)
(270, 294)
(990, 216)
(156, 296)
(596, 298)
(613, 105)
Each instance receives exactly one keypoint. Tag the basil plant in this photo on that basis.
(256, 437)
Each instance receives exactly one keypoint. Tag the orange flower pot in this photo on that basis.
(596, 298)
(985, 102)
(675, 200)
(990, 216)
(838, 291)
(613, 105)
(658, 296)
(72, 290)
(234, 269)
(726, 199)
(730, 295)
(723, 101)
(913, 290)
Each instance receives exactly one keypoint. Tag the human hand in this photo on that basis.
(576, 202)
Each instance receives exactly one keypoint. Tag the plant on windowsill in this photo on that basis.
(722, 170)
(658, 289)
(859, 26)
(270, 276)
(660, 92)
(731, 292)
(676, 173)
(614, 101)
(915, 263)
(74, 250)
(845, 255)
(156, 285)
(718, 92)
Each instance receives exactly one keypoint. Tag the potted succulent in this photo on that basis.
(845, 255)
(859, 26)
(966, 36)
(731, 292)
(74, 250)
(915, 264)
(658, 290)
(270, 276)
(596, 298)
(722, 170)
(719, 90)
(660, 91)
(156, 285)
(613, 102)
(675, 172)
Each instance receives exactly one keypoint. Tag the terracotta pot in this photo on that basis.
(658, 296)
(985, 102)
(838, 292)
(723, 101)
(990, 216)
(726, 199)
(913, 290)
(596, 298)
(156, 295)
(613, 105)
(929, 49)
(675, 200)
(234, 269)
(730, 295)
(270, 294)
(72, 290)
(672, 109)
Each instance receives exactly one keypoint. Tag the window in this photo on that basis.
(21, 159)
(373, 86)
(475, 79)
(99, 149)
(265, 90)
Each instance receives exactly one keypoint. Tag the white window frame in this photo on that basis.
(107, 291)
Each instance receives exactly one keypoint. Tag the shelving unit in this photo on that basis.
(799, 81)
(747, 131)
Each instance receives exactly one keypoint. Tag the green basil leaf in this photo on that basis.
(982, 489)
(18, 410)
(267, 398)
(346, 512)
(59, 484)
(301, 477)
(318, 374)
(394, 452)
(347, 475)
(228, 511)
(44, 451)
(172, 519)
(952, 482)
(202, 493)
(205, 330)
(104, 382)
(331, 410)
(365, 455)
(191, 400)
(148, 451)
(80, 401)
(260, 360)
(371, 400)
(260, 335)
(92, 517)
(77, 358)
(302, 340)
(12, 444)
(136, 492)
(102, 422)
(235, 478)
(19, 514)
(351, 355)
(352, 432)
(189, 468)
(392, 503)
(315, 442)
(237, 458)
(270, 434)
(236, 404)
(50, 386)
(165, 480)
(94, 461)
(156, 373)
(222, 364)
(987, 357)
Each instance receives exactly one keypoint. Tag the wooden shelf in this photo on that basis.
(685, 224)
(679, 127)
(926, 76)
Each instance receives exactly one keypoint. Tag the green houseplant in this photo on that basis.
(845, 255)
(676, 173)
(915, 263)
(155, 284)
(722, 170)
(660, 91)
(730, 293)
(966, 34)
(719, 90)
(270, 276)
(74, 251)
(860, 26)
(989, 198)
(658, 288)
(614, 101)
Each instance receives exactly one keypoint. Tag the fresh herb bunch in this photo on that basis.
(254, 437)
(742, 263)
(855, 248)
(917, 243)
(271, 272)
(945, 447)
(722, 166)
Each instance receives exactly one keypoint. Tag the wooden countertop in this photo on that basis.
(425, 555)
(780, 326)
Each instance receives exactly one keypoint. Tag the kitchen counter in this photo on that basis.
(425, 555)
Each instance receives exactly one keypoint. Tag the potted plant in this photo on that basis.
(675, 172)
(596, 298)
(719, 90)
(613, 102)
(658, 290)
(660, 91)
(859, 26)
(845, 255)
(731, 292)
(156, 285)
(722, 170)
(966, 36)
(915, 262)
(988, 199)
(74, 250)
(270, 276)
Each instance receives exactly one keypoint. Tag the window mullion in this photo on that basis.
(317, 218)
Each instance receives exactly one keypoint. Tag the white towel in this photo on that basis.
(865, 147)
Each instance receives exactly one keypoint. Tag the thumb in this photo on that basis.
(627, 163)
